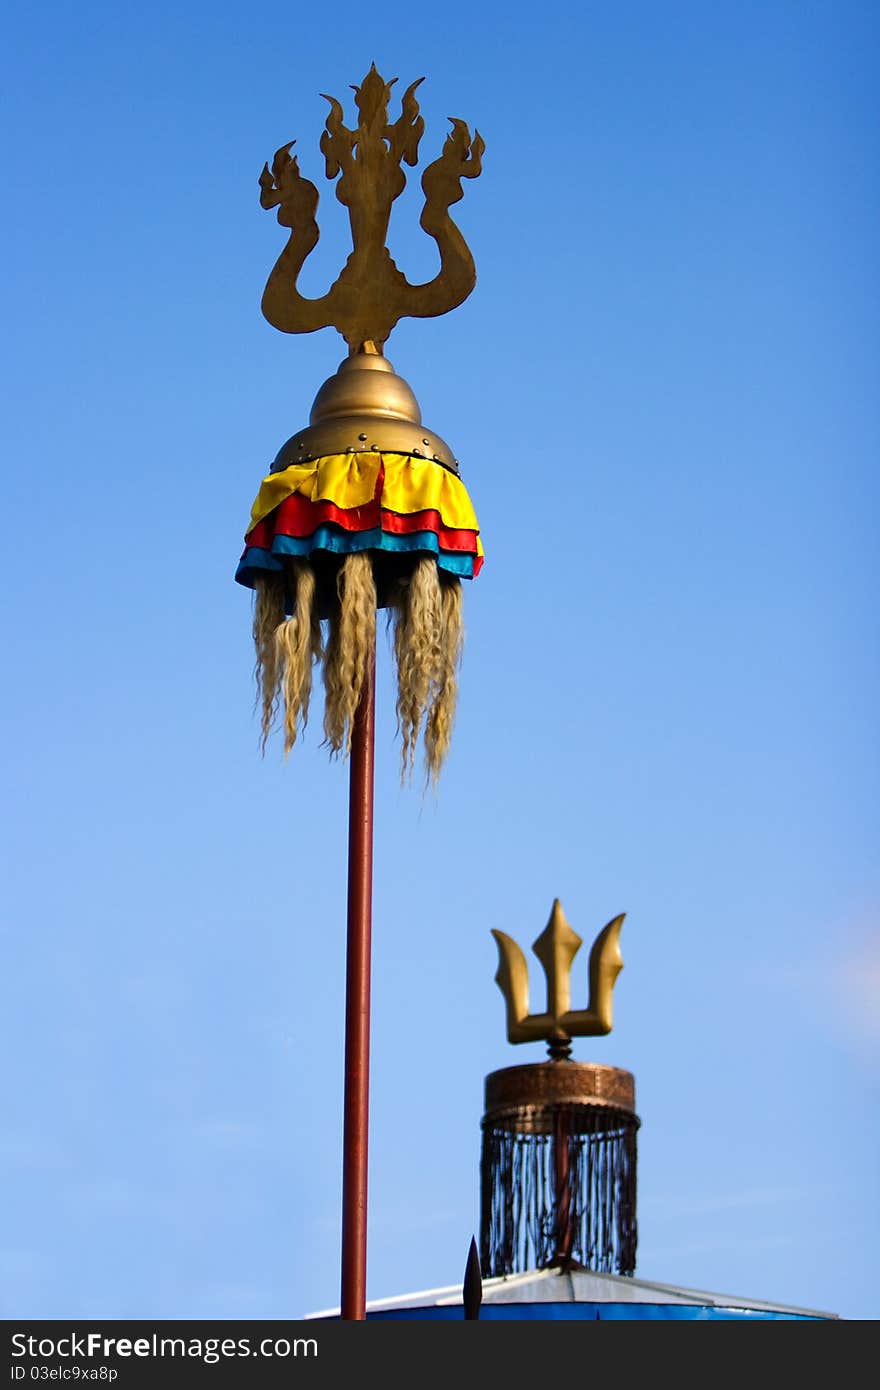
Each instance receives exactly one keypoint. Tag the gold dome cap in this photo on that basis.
(364, 407)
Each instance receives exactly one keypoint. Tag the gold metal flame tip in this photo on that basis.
(370, 295)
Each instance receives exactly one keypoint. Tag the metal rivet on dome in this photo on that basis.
(436, 458)
(362, 437)
(375, 448)
(418, 453)
(426, 441)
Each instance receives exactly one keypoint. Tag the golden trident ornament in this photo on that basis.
(370, 294)
(556, 949)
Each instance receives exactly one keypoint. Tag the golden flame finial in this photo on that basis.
(370, 294)
(556, 949)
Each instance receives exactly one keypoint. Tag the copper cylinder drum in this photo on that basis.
(542, 1085)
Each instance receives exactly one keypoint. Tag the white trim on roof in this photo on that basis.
(574, 1286)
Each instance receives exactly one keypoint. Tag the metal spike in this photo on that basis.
(472, 1289)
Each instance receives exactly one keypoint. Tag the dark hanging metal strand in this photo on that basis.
(519, 1198)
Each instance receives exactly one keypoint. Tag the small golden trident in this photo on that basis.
(370, 293)
(556, 948)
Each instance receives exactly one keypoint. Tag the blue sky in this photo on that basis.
(663, 394)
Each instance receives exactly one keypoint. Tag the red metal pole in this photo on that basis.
(357, 1007)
